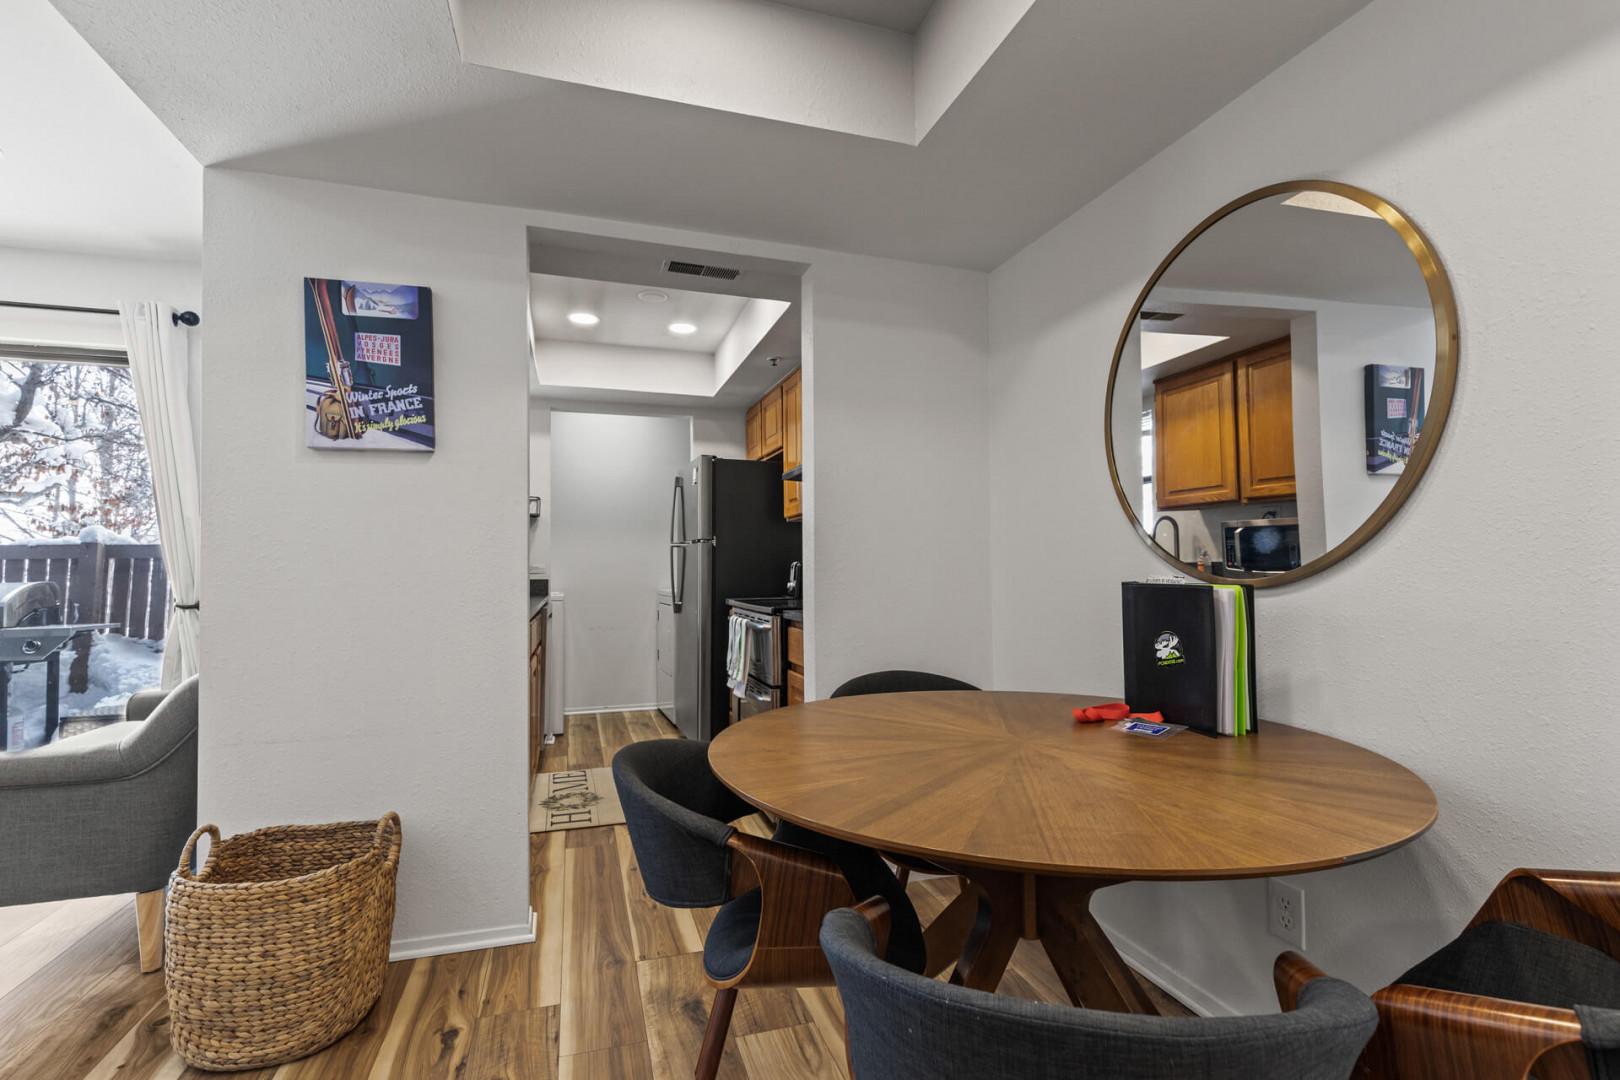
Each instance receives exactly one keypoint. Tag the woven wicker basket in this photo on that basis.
(277, 947)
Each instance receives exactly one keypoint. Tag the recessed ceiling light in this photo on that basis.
(1333, 204)
(583, 318)
(652, 296)
(1157, 347)
(682, 328)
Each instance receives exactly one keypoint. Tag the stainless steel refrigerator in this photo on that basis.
(727, 538)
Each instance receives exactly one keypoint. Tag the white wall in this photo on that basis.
(1349, 337)
(953, 43)
(1305, 384)
(365, 612)
(100, 281)
(610, 488)
(896, 541)
(713, 431)
(1451, 642)
(340, 682)
(754, 321)
(593, 366)
(49, 277)
(721, 432)
(540, 484)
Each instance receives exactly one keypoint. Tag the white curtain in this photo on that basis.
(161, 370)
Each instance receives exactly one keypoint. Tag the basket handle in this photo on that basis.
(391, 834)
(191, 848)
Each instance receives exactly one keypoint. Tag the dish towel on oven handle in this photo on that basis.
(737, 655)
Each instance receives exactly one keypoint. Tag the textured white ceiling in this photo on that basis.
(626, 318)
(902, 15)
(739, 56)
(1272, 249)
(375, 93)
(84, 166)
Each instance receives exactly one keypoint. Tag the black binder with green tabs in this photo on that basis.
(1172, 653)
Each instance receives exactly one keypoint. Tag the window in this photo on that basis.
(77, 510)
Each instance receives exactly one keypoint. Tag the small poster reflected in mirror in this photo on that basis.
(1395, 411)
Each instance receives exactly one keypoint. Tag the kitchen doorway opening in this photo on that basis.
(648, 361)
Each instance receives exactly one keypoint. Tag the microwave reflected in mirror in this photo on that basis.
(1277, 389)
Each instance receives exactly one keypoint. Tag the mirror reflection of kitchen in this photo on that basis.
(1274, 384)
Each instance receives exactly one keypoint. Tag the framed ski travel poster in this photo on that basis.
(368, 365)
(1395, 408)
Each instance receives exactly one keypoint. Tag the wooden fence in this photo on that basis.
(118, 583)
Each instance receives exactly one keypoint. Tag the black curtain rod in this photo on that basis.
(181, 318)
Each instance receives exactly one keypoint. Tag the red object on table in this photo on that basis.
(1114, 710)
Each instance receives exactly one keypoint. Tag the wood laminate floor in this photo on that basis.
(612, 989)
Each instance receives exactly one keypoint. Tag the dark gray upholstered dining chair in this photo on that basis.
(772, 894)
(899, 682)
(905, 1027)
(104, 812)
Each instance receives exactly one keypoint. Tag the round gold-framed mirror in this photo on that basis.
(1281, 383)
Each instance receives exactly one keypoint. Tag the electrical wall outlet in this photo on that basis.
(1285, 912)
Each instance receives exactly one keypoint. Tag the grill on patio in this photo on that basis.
(32, 631)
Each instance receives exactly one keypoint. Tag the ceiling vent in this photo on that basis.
(1160, 316)
(724, 273)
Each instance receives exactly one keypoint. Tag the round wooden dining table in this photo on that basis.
(1036, 812)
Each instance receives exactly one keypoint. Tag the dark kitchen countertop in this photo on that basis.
(795, 616)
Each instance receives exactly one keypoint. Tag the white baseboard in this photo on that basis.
(610, 708)
(1171, 981)
(467, 941)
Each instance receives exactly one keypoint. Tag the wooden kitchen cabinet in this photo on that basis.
(775, 425)
(795, 659)
(1224, 432)
(1265, 414)
(795, 646)
(770, 422)
(1195, 437)
(792, 443)
(752, 437)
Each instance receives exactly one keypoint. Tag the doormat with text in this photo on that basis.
(577, 799)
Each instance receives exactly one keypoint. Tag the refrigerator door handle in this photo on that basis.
(677, 578)
(677, 514)
(677, 545)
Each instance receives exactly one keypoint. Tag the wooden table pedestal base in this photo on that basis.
(1056, 911)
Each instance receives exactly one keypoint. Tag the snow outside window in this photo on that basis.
(76, 508)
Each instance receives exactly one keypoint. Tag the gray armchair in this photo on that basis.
(104, 812)
(905, 1027)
